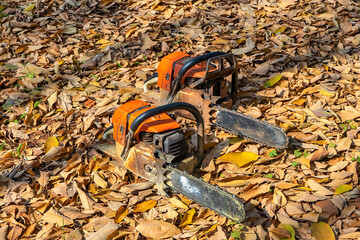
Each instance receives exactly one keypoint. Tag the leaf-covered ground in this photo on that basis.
(66, 65)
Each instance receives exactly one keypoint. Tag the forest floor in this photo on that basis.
(65, 66)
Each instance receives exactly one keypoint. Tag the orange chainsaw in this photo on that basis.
(210, 83)
(153, 146)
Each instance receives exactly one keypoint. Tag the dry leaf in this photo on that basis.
(338, 166)
(322, 231)
(343, 144)
(249, 47)
(57, 218)
(188, 218)
(120, 214)
(254, 192)
(319, 188)
(64, 102)
(157, 229)
(50, 143)
(86, 201)
(272, 81)
(353, 235)
(144, 206)
(43, 179)
(282, 233)
(343, 188)
(176, 203)
(103, 233)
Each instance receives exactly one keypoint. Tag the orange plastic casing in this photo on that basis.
(128, 112)
(171, 64)
(165, 69)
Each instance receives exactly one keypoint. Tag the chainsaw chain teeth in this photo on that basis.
(275, 145)
(216, 188)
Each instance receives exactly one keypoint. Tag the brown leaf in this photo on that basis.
(318, 188)
(343, 144)
(254, 192)
(86, 201)
(3, 232)
(280, 232)
(57, 218)
(64, 102)
(147, 43)
(157, 229)
(319, 154)
(103, 233)
(43, 179)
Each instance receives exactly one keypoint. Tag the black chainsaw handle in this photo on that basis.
(175, 85)
(165, 109)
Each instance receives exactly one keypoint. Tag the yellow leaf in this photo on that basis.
(209, 231)
(187, 217)
(304, 161)
(120, 214)
(235, 140)
(95, 83)
(326, 93)
(103, 41)
(310, 90)
(343, 188)
(299, 102)
(303, 189)
(322, 231)
(272, 81)
(240, 159)
(144, 206)
(131, 31)
(30, 7)
(50, 143)
(280, 30)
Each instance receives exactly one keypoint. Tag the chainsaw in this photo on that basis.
(210, 83)
(152, 145)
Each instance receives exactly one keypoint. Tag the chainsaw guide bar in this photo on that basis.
(206, 194)
(251, 128)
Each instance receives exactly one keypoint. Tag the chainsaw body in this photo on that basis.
(201, 81)
(147, 137)
(153, 146)
(209, 82)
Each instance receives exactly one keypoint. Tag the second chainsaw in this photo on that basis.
(210, 83)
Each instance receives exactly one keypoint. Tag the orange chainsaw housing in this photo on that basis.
(171, 64)
(128, 112)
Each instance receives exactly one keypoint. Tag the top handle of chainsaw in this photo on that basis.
(221, 71)
(164, 109)
(175, 85)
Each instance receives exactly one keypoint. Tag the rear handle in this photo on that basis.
(175, 85)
